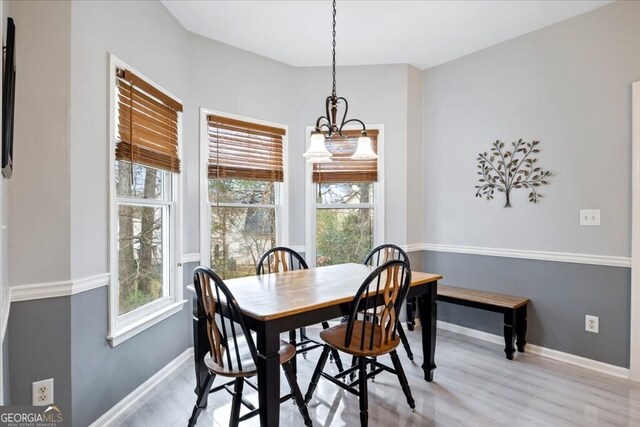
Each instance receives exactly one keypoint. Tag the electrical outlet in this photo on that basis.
(591, 324)
(43, 392)
(590, 217)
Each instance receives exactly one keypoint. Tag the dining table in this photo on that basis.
(275, 303)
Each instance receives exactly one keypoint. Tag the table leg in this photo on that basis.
(294, 362)
(410, 308)
(428, 319)
(268, 365)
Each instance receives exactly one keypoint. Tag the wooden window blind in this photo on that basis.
(147, 121)
(244, 150)
(342, 168)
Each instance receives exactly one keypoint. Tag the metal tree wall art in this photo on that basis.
(503, 170)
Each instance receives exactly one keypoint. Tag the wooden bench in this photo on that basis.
(513, 308)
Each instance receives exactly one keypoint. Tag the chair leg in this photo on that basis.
(403, 379)
(237, 401)
(316, 373)
(363, 393)
(373, 368)
(297, 395)
(303, 338)
(354, 362)
(334, 353)
(201, 401)
(336, 357)
(405, 341)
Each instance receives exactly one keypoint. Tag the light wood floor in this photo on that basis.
(474, 385)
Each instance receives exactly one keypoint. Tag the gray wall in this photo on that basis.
(561, 294)
(148, 38)
(230, 80)
(39, 341)
(5, 372)
(5, 302)
(65, 338)
(39, 217)
(377, 94)
(568, 85)
(102, 375)
(414, 170)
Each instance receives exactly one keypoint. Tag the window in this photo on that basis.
(245, 190)
(145, 183)
(344, 194)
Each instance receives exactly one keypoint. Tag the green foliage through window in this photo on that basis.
(241, 234)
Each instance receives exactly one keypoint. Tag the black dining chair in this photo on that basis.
(380, 255)
(369, 333)
(232, 351)
(281, 259)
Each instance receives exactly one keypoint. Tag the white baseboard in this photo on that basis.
(116, 415)
(572, 359)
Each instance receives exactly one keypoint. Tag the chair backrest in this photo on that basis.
(224, 317)
(390, 281)
(384, 253)
(280, 259)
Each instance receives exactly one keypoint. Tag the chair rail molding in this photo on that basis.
(576, 258)
(58, 289)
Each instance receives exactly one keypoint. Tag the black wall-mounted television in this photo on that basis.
(8, 99)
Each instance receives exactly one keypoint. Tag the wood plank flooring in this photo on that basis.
(474, 385)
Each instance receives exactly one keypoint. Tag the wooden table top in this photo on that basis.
(277, 295)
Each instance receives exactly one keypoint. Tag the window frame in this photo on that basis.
(281, 191)
(125, 326)
(311, 204)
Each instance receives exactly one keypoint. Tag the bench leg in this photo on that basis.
(509, 324)
(521, 328)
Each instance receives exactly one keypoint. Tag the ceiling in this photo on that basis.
(422, 33)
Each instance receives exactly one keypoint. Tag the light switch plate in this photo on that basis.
(590, 217)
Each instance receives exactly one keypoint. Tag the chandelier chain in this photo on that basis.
(333, 93)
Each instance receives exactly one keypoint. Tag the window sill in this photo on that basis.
(133, 329)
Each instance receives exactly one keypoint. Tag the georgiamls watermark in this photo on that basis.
(30, 416)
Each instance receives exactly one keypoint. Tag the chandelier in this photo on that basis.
(317, 152)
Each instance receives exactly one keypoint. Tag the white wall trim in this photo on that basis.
(4, 320)
(414, 247)
(572, 359)
(379, 236)
(195, 257)
(634, 356)
(611, 261)
(298, 248)
(156, 316)
(58, 289)
(116, 415)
